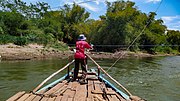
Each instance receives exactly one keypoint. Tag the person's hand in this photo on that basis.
(92, 47)
(74, 50)
(70, 48)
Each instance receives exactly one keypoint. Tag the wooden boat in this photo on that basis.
(96, 88)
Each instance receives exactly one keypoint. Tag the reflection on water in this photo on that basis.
(155, 79)
(25, 75)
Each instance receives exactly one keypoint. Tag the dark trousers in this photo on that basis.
(76, 69)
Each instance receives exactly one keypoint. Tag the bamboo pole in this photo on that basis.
(47, 79)
(99, 67)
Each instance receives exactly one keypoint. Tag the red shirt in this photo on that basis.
(80, 47)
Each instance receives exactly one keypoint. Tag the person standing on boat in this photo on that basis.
(80, 57)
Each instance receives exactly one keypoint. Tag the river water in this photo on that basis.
(155, 79)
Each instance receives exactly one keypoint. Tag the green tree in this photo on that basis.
(173, 37)
(12, 22)
(73, 18)
(118, 27)
(154, 35)
(38, 10)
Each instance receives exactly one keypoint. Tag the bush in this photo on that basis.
(12, 21)
(168, 50)
(1, 30)
(45, 39)
(5, 38)
(20, 41)
(163, 49)
(49, 30)
(59, 45)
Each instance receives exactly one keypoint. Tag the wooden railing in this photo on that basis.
(47, 79)
(101, 69)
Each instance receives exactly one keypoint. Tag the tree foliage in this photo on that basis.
(173, 37)
(123, 22)
(23, 23)
(74, 20)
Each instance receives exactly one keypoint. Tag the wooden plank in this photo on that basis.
(74, 85)
(30, 98)
(49, 91)
(101, 92)
(95, 99)
(90, 88)
(120, 97)
(91, 77)
(58, 98)
(64, 98)
(16, 96)
(108, 93)
(81, 93)
(70, 99)
(89, 99)
(37, 98)
(55, 88)
(69, 86)
(44, 99)
(109, 96)
(70, 90)
(61, 91)
(93, 88)
(98, 97)
(98, 88)
(97, 85)
(51, 99)
(24, 97)
(116, 97)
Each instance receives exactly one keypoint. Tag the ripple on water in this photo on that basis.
(154, 79)
(174, 76)
(2, 87)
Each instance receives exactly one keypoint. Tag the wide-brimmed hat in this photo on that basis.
(81, 37)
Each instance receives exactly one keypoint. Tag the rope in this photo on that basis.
(135, 38)
(100, 45)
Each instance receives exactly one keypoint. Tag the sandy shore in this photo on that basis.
(34, 51)
(31, 51)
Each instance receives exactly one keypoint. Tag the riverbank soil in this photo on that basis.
(31, 51)
(34, 51)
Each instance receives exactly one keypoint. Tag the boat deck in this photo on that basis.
(93, 90)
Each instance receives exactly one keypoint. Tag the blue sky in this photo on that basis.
(169, 10)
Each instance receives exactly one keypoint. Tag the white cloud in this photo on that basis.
(34, 1)
(106, 0)
(172, 22)
(146, 1)
(93, 5)
(154, 1)
(78, 1)
(168, 19)
(90, 7)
